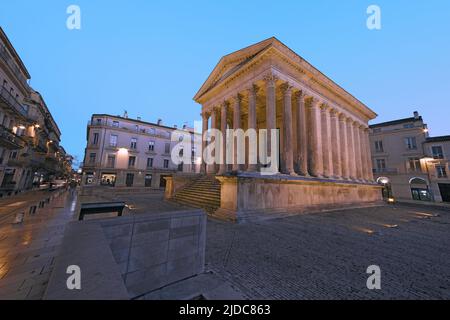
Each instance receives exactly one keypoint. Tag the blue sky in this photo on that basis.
(151, 57)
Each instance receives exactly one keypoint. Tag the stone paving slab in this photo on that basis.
(325, 256)
(28, 250)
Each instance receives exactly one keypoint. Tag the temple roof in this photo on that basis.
(235, 61)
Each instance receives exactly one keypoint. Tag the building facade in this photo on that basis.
(29, 137)
(410, 164)
(437, 166)
(125, 152)
(323, 133)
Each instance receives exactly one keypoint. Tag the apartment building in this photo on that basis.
(408, 162)
(29, 137)
(437, 165)
(125, 152)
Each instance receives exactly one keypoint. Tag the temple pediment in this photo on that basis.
(240, 62)
(232, 62)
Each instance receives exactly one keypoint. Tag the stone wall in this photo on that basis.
(145, 252)
(241, 195)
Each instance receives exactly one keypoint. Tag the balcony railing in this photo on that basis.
(385, 170)
(4, 55)
(7, 98)
(9, 140)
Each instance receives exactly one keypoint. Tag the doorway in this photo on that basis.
(444, 188)
(419, 189)
(129, 180)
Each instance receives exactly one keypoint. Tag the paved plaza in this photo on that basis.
(325, 256)
(310, 256)
(28, 250)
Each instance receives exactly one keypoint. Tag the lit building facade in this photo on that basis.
(125, 152)
(29, 137)
(408, 162)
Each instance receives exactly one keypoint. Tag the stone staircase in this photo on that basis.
(203, 192)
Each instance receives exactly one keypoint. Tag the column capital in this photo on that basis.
(205, 114)
(342, 117)
(324, 107)
(314, 102)
(236, 98)
(334, 113)
(225, 104)
(349, 120)
(357, 124)
(286, 88)
(270, 79)
(364, 126)
(299, 94)
(253, 89)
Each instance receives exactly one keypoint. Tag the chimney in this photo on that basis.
(139, 118)
(125, 114)
(175, 126)
(159, 122)
(184, 126)
(416, 115)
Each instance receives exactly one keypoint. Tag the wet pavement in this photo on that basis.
(27, 250)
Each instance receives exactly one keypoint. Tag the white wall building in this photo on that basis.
(125, 152)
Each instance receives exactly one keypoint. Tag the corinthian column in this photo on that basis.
(363, 153)
(315, 141)
(302, 141)
(270, 80)
(358, 154)
(223, 129)
(344, 147)
(326, 141)
(335, 145)
(351, 149)
(288, 163)
(369, 155)
(236, 125)
(212, 167)
(252, 92)
(204, 142)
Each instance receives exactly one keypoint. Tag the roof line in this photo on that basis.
(15, 54)
(134, 120)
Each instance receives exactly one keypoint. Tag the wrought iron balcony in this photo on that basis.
(6, 98)
(9, 140)
(385, 170)
(8, 60)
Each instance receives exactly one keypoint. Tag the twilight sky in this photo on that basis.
(151, 57)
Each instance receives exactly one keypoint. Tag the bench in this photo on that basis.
(101, 207)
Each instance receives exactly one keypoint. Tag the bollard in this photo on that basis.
(19, 217)
(32, 209)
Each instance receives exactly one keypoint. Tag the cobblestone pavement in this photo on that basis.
(325, 256)
(27, 251)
